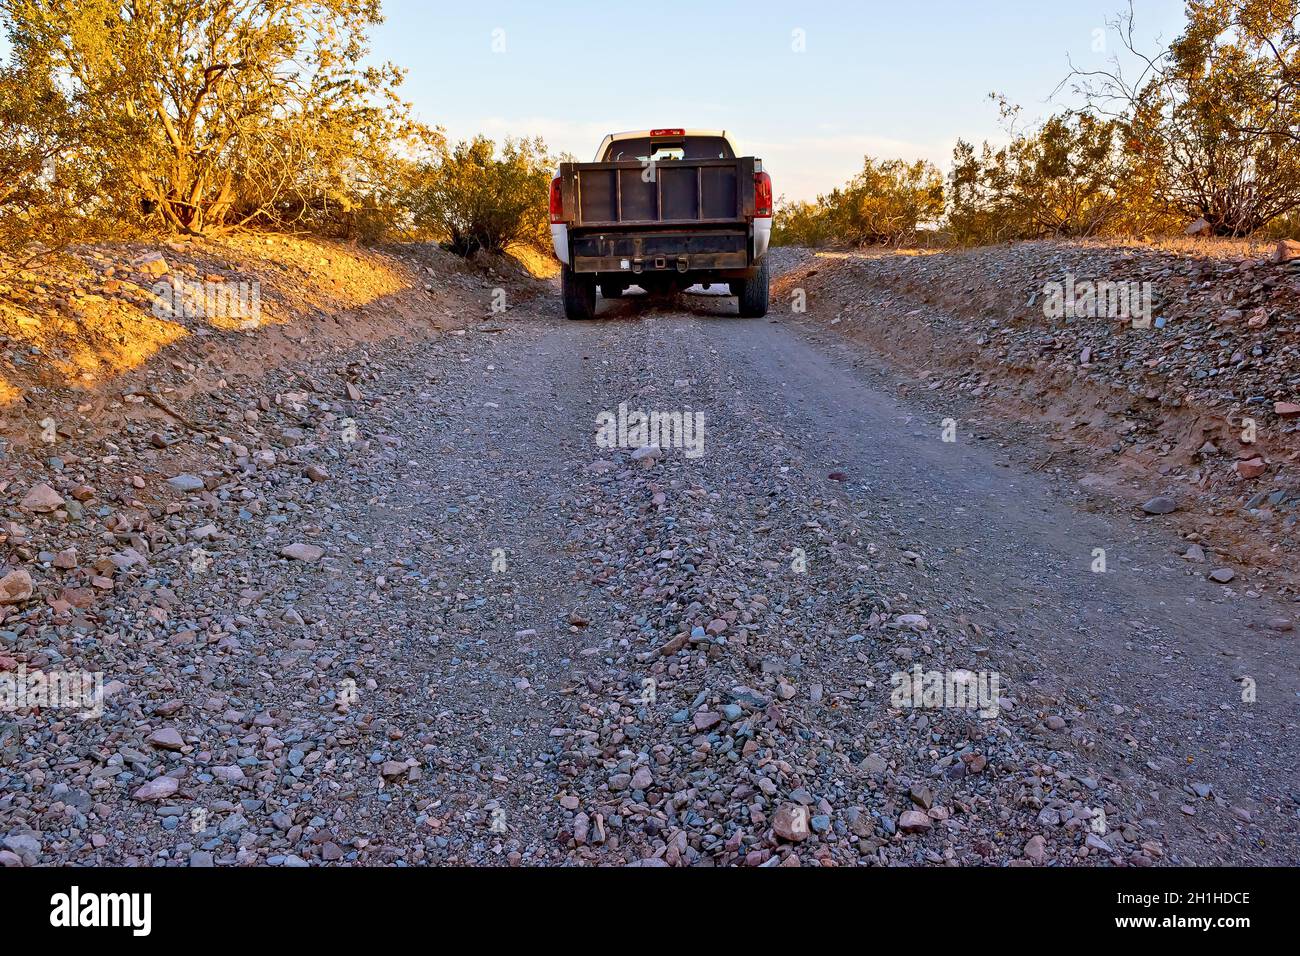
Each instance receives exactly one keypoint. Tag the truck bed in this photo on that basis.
(684, 192)
(693, 214)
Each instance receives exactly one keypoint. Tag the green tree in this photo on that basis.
(883, 204)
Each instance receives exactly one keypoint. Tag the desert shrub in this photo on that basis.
(800, 224)
(1064, 178)
(474, 196)
(885, 203)
(48, 189)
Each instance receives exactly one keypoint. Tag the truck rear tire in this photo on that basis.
(579, 295)
(752, 293)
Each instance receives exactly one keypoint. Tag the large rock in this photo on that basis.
(1252, 468)
(42, 499)
(233, 774)
(705, 719)
(186, 483)
(160, 788)
(914, 821)
(23, 843)
(15, 587)
(1201, 227)
(1036, 849)
(791, 823)
(1160, 506)
(303, 552)
(168, 738)
(153, 265)
(1095, 842)
(126, 559)
(1286, 250)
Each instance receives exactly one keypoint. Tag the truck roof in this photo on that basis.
(645, 133)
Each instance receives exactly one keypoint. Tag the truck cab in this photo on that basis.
(662, 209)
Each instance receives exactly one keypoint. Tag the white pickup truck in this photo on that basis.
(662, 209)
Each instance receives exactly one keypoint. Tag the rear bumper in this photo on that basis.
(667, 251)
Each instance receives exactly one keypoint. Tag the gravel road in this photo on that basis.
(521, 647)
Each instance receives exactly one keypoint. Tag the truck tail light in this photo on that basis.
(557, 202)
(762, 196)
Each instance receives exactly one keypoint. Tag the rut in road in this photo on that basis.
(688, 696)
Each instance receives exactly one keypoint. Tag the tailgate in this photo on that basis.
(678, 192)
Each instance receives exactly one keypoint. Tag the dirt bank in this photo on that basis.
(1130, 413)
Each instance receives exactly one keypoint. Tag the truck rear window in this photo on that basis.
(640, 150)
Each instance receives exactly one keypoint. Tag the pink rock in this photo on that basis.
(790, 823)
(1252, 469)
(232, 774)
(1036, 849)
(41, 499)
(706, 719)
(168, 738)
(303, 552)
(914, 821)
(160, 788)
(15, 587)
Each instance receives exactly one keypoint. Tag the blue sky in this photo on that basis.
(887, 78)
(890, 78)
